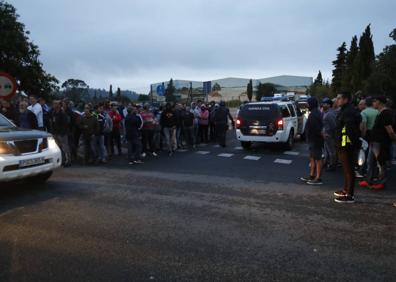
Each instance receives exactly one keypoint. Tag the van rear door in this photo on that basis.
(259, 119)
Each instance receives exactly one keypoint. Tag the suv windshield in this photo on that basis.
(265, 112)
(4, 122)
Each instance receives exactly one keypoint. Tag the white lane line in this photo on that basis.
(283, 161)
(225, 155)
(238, 148)
(252, 158)
(203, 152)
(291, 153)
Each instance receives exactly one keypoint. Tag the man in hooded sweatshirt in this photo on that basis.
(314, 134)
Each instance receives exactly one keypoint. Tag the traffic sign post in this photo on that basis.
(160, 90)
(8, 86)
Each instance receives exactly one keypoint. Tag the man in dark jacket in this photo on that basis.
(313, 132)
(133, 126)
(25, 118)
(220, 119)
(59, 124)
(347, 142)
(168, 123)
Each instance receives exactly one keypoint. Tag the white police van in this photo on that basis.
(274, 120)
(26, 154)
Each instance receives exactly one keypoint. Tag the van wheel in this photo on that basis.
(41, 178)
(246, 145)
(290, 140)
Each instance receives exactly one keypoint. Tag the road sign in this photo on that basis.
(160, 90)
(8, 86)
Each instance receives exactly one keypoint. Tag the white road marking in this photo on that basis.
(225, 155)
(238, 148)
(216, 146)
(203, 152)
(291, 153)
(252, 158)
(283, 161)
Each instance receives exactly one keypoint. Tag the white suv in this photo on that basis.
(26, 154)
(272, 121)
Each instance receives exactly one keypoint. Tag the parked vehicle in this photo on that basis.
(26, 154)
(272, 121)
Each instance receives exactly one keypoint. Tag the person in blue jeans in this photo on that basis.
(133, 126)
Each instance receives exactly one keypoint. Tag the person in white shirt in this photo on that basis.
(36, 108)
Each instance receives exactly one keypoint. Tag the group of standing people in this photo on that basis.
(99, 131)
(339, 130)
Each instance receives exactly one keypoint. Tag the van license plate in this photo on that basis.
(31, 162)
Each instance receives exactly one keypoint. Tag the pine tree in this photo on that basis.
(319, 79)
(348, 82)
(111, 92)
(118, 95)
(170, 91)
(339, 68)
(249, 90)
(365, 59)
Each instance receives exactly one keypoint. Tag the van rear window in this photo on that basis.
(259, 112)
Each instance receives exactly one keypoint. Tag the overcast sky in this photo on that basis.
(130, 43)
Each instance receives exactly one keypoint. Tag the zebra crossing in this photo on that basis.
(204, 150)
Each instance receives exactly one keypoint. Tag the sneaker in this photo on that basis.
(308, 178)
(315, 182)
(340, 194)
(139, 162)
(394, 204)
(377, 186)
(131, 163)
(345, 200)
(154, 154)
(358, 174)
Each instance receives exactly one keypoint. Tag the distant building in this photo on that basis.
(232, 88)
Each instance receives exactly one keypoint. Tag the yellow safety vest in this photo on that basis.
(345, 138)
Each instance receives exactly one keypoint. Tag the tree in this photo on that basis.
(349, 81)
(365, 59)
(339, 68)
(143, 98)
(75, 90)
(118, 95)
(170, 91)
(319, 79)
(111, 92)
(265, 90)
(382, 79)
(19, 56)
(249, 90)
(216, 87)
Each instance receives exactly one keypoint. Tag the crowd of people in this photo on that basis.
(357, 135)
(99, 131)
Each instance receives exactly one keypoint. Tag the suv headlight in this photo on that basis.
(6, 149)
(52, 143)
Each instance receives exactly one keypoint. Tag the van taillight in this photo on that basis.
(280, 124)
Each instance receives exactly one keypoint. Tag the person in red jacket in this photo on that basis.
(115, 134)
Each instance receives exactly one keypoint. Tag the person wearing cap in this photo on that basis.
(382, 136)
(347, 143)
(329, 125)
(314, 135)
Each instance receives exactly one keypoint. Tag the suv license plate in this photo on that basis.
(258, 131)
(31, 162)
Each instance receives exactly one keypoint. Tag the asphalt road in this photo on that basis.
(210, 215)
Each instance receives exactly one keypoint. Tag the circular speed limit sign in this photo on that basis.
(8, 86)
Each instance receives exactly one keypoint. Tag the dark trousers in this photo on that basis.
(147, 140)
(347, 158)
(188, 133)
(89, 148)
(203, 129)
(134, 149)
(221, 131)
(115, 140)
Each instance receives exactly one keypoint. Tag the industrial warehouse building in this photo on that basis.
(229, 89)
